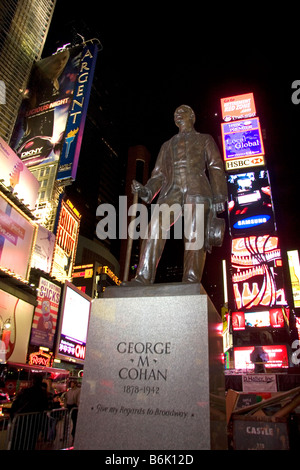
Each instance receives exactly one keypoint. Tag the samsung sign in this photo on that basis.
(252, 221)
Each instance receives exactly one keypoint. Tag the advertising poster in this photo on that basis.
(67, 233)
(256, 272)
(16, 176)
(238, 107)
(57, 97)
(40, 126)
(250, 203)
(76, 120)
(45, 315)
(16, 318)
(17, 238)
(43, 250)
(242, 138)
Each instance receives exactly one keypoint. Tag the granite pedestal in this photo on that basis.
(153, 374)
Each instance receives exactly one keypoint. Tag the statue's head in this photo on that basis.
(184, 114)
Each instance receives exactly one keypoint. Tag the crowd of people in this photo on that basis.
(37, 399)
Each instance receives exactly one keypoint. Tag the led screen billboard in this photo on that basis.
(242, 138)
(74, 322)
(274, 318)
(275, 356)
(250, 203)
(238, 107)
(256, 272)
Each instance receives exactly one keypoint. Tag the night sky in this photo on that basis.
(156, 58)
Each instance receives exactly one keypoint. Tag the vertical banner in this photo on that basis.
(77, 115)
(51, 119)
(38, 134)
(67, 233)
(45, 315)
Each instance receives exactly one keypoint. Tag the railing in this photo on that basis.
(48, 430)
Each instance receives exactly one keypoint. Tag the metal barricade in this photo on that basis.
(48, 430)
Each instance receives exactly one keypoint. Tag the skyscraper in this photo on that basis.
(24, 26)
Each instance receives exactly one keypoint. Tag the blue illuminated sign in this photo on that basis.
(242, 138)
(252, 221)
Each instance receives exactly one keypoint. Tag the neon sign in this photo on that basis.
(238, 107)
(252, 221)
(40, 359)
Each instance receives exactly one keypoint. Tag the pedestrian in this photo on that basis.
(72, 400)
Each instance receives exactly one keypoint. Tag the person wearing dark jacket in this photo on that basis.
(29, 400)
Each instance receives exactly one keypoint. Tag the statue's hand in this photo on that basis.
(137, 187)
(219, 207)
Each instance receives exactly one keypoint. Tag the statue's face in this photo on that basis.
(184, 115)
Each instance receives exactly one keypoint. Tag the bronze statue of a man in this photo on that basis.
(180, 178)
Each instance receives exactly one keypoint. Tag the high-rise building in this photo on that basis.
(24, 26)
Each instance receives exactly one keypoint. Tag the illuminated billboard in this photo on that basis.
(67, 233)
(242, 139)
(56, 98)
(250, 203)
(43, 250)
(256, 272)
(274, 318)
(45, 314)
(16, 176)
(294, 268)
(75, 125)
(275, 356)
(17, 238)
(74, 322)
(238, 107)
(244, 163)
(16, 318)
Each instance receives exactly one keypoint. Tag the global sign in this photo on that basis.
(242, 138)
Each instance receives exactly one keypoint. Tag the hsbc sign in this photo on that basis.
(242, 163)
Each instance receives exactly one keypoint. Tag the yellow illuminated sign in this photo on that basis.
(294, 267)
(106, 270)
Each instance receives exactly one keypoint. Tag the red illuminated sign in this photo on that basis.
(274, 318)
(238, 107)
(256, 274)
(274, 356)
(40, 359)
